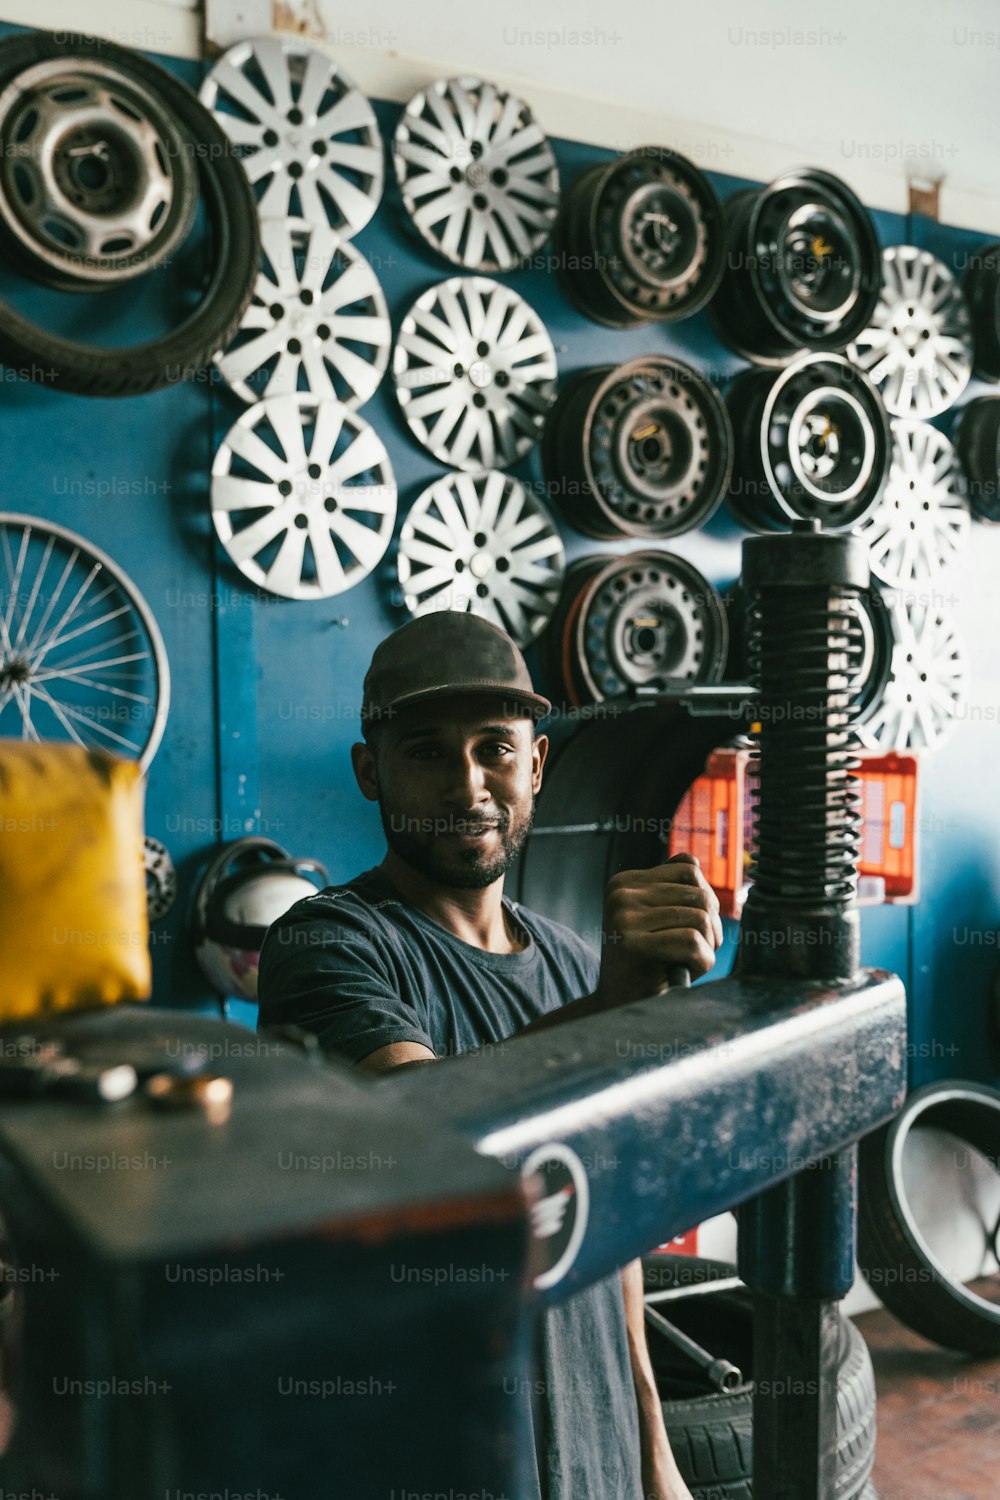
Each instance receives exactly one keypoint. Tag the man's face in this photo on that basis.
(456, 783)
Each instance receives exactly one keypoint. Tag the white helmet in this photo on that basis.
(248, 885)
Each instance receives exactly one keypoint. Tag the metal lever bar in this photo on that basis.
(724, 1375)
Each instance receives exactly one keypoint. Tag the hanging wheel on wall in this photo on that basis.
(872, 609)
(640, 238)
(482, 544)
(308, 139)
(928, 681)
(303, 496)
(644, 449)
(96, 183)
(478, 177)
(642, 622)
(225, 280)
(475, 373)
(318, 320)
(803, 268)
(81, 656)
(161, 878)
(811, 442)
(979, 448)
(559, 659)
(918, 346)
(981, 285)
(922, 520)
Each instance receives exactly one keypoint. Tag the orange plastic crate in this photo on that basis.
(710, 822)
(714, 821)
(889, 845)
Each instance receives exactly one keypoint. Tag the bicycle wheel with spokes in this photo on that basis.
(81, 655)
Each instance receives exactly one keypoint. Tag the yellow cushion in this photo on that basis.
(73, 925)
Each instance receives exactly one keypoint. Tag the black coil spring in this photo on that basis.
(805, 651)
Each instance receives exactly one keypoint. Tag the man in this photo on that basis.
(424, 957)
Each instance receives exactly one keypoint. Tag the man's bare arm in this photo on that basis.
(660, 1477)
(396, 1055)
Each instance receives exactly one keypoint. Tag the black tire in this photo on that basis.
(896, 1263)
(978, 441)
(231, 211)
(981, 285)
(711, 1434)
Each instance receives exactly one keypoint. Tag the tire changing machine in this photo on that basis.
(330, 1292)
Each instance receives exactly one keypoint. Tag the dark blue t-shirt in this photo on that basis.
(360, 967)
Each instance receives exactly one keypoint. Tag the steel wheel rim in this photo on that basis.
(928, 684)
(478, 177)
(556, 645)
(824, 443)
(658, 448)
(475, 373)
(918, 347)
(646, 231)
(482, 545)
(871, 610)
(281, 101)
(94, 175)
(40, 612)
(811, 220)
(318, 321)
(660, 629)
(654, 219)
(922, 521)
(587, 286)
(313, 487)
(981, 284)
(979, 446)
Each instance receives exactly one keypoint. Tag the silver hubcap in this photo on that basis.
(478, 177)
(928, 685)
(310, 142)
(922, 521)
(918, 349)
(318, 321)
(323, 481)
(481, 544)
(475, 373)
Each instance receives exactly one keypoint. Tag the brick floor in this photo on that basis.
(938, 1417)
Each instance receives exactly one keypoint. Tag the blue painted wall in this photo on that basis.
(266, 691)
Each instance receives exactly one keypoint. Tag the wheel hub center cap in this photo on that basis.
(480, 374)
(476, 173)
(13, 672)
(481, 563)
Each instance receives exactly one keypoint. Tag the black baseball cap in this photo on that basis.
(442, 654)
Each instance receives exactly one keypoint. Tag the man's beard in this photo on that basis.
(465, 869)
